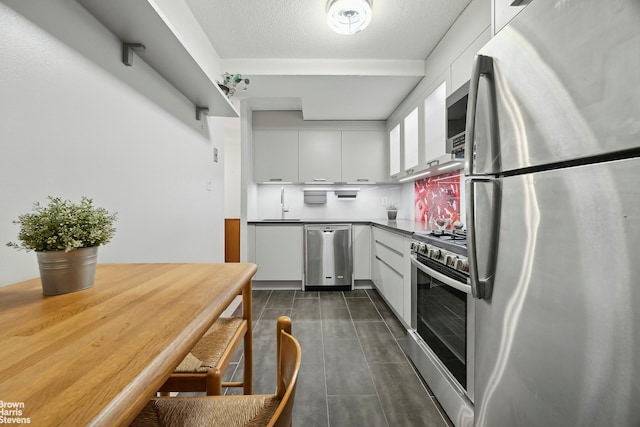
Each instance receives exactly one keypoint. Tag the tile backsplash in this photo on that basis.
(438, 201)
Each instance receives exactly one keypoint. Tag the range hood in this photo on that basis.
(318, 195)
(346, 194)
(315, 197)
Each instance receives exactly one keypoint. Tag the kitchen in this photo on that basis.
(124, 148)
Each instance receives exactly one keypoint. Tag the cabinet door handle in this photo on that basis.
(275, 179)
(319, 179)
(362, 179)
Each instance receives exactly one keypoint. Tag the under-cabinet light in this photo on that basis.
(409, 178)
(452, 165)
(276, 182)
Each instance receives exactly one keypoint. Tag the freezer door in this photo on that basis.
(558, 341)
(563, 84)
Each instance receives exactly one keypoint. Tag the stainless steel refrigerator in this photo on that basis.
(553, 216)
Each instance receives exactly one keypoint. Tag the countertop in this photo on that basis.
(96, 356)
(403, 226)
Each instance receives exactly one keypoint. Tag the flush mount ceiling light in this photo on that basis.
(348, 16)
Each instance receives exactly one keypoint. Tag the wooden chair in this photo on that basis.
(202, 369)
(255, 410)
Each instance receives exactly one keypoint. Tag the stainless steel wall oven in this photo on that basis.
(441, 338)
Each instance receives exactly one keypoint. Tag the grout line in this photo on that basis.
(324, 363)
(384, 414)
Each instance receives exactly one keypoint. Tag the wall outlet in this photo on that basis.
(385, 201)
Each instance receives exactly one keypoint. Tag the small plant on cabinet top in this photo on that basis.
(231, 82)
(63, 225)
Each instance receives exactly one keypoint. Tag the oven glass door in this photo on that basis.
(442, 320)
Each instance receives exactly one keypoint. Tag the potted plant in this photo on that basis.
(230, 83)
(65, 237)
(392, 211)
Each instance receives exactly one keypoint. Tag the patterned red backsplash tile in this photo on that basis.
(437, 200)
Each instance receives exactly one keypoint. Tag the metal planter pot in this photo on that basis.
(391, 214)
(64, 272)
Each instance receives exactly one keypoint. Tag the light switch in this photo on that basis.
(215, 155)
(209, 185)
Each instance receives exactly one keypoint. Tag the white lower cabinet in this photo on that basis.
(361, 252)
(406, 265)
(279, 252)
(390, 271)
(391, 286)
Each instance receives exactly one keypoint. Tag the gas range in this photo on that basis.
(447, 247)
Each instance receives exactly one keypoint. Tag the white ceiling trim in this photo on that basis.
(325, 67)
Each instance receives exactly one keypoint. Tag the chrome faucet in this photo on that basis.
(282, 202)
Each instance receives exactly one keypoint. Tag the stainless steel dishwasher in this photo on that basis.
(328, 257)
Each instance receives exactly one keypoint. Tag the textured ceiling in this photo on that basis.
(250, 34)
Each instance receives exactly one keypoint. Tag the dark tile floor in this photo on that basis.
(353, 372)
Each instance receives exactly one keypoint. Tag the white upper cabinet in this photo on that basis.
(435, 123)
(320, 156)
(461, 67)
(394, 152)
(275, 155)
(363, 155)
(411, 141)
(505, 10)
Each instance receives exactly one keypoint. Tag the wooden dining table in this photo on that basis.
(96, 356)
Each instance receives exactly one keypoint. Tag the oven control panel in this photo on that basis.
(443, 256)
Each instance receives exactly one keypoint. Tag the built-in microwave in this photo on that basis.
(457, 120)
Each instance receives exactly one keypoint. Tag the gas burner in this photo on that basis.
(444, 247)
(449, 233)
(452, 240)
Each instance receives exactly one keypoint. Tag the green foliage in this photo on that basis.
(63, 225)
(233, 80)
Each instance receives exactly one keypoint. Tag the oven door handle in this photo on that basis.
(441, 277)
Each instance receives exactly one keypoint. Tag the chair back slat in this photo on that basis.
(289, 358)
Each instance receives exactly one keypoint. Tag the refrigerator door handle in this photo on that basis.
(481, 288)
(482, 66)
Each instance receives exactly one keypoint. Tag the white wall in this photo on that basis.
(367, 205)
(249, 190)
(232, 168)
(75, 121)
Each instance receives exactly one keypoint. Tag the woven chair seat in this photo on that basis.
(207, 352)
(247, 410)
(223, 411)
